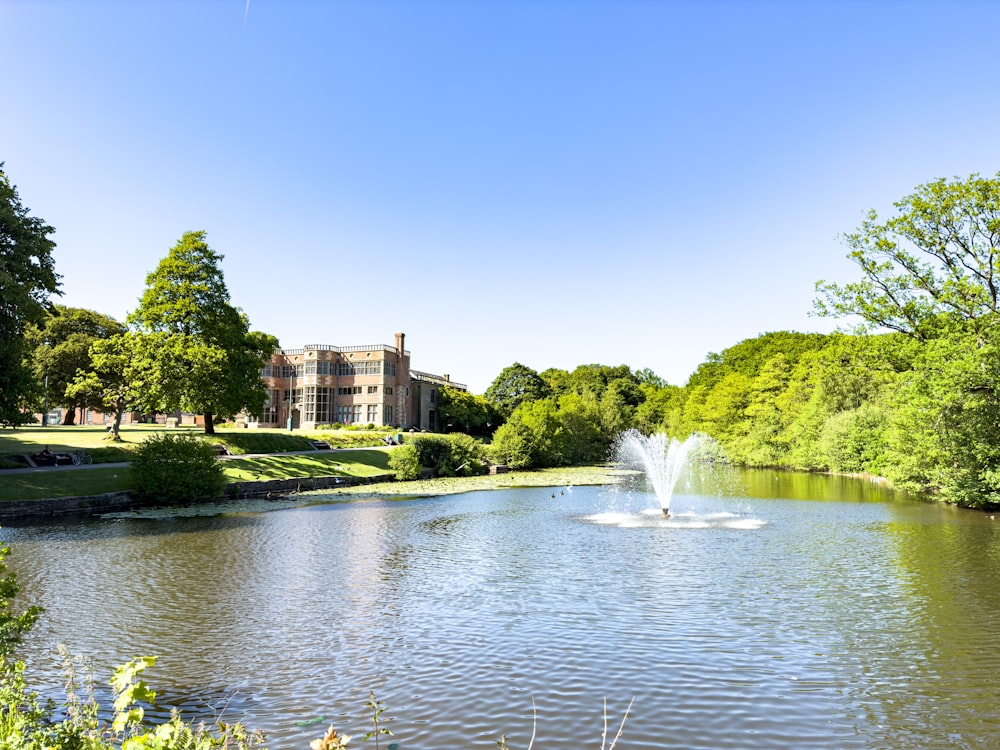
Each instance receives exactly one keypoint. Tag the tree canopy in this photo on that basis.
(197, 352)
(27, 280)
(936, 259)
(60, 347)
(515, 385)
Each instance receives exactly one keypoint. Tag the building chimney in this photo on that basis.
(400, 338)
(447, 377)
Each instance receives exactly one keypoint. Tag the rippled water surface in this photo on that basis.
(796, 614)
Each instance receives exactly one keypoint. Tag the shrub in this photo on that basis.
(468, 455)
(405, 462)
(172, 468)
(447, 455)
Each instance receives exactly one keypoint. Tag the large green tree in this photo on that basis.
(60, 347)
(515, 385)
(937, 259)
(27, 280)
(112, 382)
(198, 354)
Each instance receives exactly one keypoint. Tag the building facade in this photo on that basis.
(321, 384)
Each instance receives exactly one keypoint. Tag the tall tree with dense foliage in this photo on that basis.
(27, 280)
(514, 386)
(199, 354)
(938, 258)
(60, 347)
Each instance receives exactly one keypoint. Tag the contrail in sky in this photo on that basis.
(245, 14)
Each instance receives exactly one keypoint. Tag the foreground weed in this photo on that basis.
(502, 742)
(377, 708)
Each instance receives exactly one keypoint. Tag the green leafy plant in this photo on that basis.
(177, 468)
(378, 729)
(405, 462)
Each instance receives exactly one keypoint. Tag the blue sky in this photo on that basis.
(542, 181)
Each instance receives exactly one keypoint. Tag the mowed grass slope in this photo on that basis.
(93, 439)
(26, 484)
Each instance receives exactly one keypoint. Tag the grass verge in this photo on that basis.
(72, 482)
(93, 439)
(353, 463)
(64, 482)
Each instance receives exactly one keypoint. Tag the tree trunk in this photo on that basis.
(69, 416)
(209, 424)
(116, 426)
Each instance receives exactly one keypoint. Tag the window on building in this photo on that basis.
(317, 367)
(317, 405)
(269, 414)
(373, 389)
(388, 390)
(373, 412)
(349, 413)
(388, 415)
(368, 367)
(349, 390)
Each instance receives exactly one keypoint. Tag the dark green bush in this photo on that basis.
(177, 468)
(448, 455)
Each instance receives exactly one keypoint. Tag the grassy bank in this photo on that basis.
(71, 482)
(353, 463)
(93, 439)
(64, 482)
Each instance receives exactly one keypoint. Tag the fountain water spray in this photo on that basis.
(659, 458)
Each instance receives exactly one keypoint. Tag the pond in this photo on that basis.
(788, 611)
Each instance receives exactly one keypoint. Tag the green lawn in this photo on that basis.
(63, 482)
(68, 482)
(33, 438)
(353, 463)
(90, 438)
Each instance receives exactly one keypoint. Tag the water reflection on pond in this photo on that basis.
(793, 611)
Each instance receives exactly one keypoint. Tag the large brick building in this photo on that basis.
(321, 384)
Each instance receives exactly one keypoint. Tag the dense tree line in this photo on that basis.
(925, 415)
(912, 394)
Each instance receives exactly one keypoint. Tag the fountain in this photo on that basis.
(660, 459)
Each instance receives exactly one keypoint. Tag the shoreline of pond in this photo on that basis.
(278, 494)
(298, 492)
